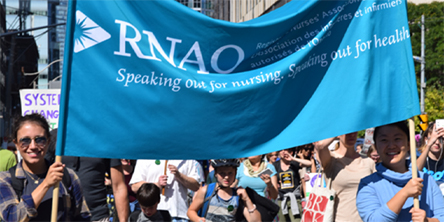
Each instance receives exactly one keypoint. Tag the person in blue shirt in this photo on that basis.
(249, 174)
(387, 194)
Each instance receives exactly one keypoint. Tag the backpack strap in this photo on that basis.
(67, 183)
(17, 184)
(210, 193)
(66, 180)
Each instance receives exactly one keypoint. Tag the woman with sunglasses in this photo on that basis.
(31, 136)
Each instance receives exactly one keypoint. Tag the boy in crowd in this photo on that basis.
(148, 197)
(225, 203)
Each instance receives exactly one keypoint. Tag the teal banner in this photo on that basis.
(156, 80)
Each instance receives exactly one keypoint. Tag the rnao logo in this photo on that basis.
(87, 33)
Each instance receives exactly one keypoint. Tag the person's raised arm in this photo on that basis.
(120, 192)
(53, 177)
(313, 164)
(135, 186)
(435, 134)
(302, 162)
(272, 185)
(323, 152)
(420, 162)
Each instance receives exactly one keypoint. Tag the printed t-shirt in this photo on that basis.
(289, 180)
(436, 170)
(222, 210)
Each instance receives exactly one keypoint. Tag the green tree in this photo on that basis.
(434, 39)
(434, 104)
(434, 54)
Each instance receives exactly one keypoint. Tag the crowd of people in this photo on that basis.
(373, 184)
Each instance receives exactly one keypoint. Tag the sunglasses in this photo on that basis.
(39, 141)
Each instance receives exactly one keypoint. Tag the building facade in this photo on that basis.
(245, 10)
(218, 9)
(57, 14)
(18, 55)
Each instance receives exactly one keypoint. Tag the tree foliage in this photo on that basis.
(434, 54)
(434, 39)
(434, 104)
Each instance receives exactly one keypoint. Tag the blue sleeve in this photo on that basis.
(29, 202)
(370, 208)
(240, 170)
(10, 208)
(272, 168)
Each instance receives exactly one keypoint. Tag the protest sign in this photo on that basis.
(42, 101)
(368, 140)
(161, 81)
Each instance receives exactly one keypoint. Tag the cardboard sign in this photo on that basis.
(43, 101)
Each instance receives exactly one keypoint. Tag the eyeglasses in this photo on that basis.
(39, 141)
